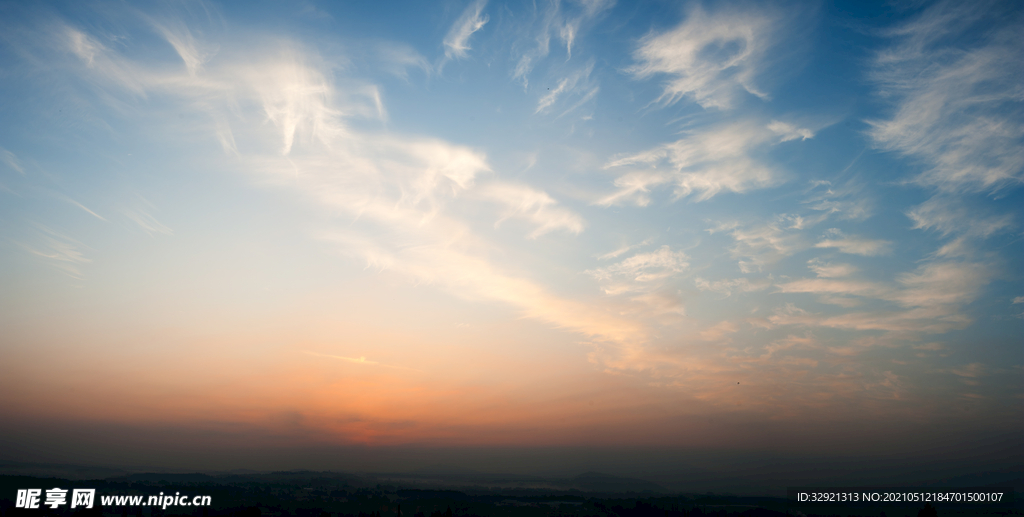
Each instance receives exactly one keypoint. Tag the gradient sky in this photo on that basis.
(750, 227)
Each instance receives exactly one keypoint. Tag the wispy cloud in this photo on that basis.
(11, 160)
(619, 251)
(761, 243)
(828, 270)
(396, 59)
(854, 245)
(709, 56)
(931, 299)
(561, 20)
(360, 360)
(958, 104)
(180, 37)
(728, 286)
(537, 207)
(404, 194)
(139, 213)
(706, 162)
(639, 271)
(84, 208)
(456, 42)
(577, 83)
(845, 201)
(951, 216)
(789, 131)
(57, 249)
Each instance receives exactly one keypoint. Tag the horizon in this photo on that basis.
(751, 244)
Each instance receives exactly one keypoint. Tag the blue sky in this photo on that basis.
(515, 224)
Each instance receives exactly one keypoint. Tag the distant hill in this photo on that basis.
(598, 482)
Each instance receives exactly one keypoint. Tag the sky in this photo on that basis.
(514, 236)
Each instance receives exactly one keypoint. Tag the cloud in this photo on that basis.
(789, 131)
(718, 331)
(958, 103)
(845, 201)
(970, 370)
(931, 298)
(396, 59)
(57, 249)
(11, 160)
(139, 214)
(537, 207)
(842, 287)
(84, 208)
(1019, 299)
(623, 249)
(456, 42)
(661, 303)
(950, 215)
(829, 270)
(727, 286)
(404, 197)
(578, 82)
(562, 20)
(360, 360)
(758, 244)
(641, 271)
(180, 37)
(708, 162)
(944, 283)
(105, 66)
(855, 245)
(710, 57)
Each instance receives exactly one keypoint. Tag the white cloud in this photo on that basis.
(789, 131)
(537, 207)
(949, 215)
(764, 243)
(11, 160)
(842, 287)
(641, 271)
(931, 297)
(854, 245)
(727, 286)
(709, 56)
(139, 213)
(623, 249)
(58, 250)
(405, 198)
(829, 270)
(708, 162)
(577, 82)
(958, 101)
(846, 201)
(397, 58)
(84, 208)
(944, 283)
(178, 35)
(456, 43)
(562, 20)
